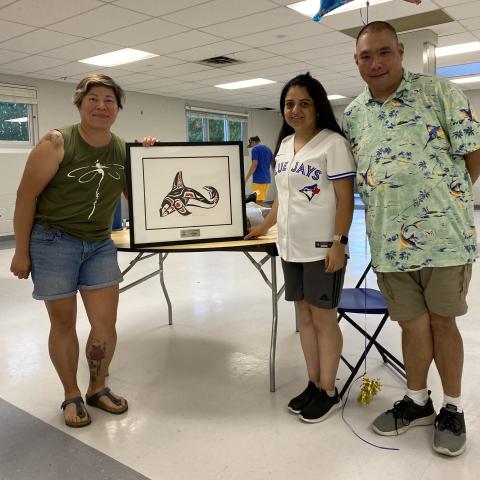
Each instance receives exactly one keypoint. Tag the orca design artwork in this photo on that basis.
(180, 197)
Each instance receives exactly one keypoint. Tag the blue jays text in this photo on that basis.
(306, 170)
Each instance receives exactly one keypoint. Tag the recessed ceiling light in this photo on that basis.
(118, 57)
(456, 49)
(467, 79)
(335, 97)
(254, 82)
(310, 7)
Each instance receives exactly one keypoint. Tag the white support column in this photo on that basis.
(419, 54)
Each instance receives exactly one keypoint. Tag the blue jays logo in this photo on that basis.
(310, 191)
(181, 196)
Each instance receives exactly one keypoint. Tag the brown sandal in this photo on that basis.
(93, 401)
(81, 412)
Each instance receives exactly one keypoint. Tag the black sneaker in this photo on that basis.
(450, 433)
(297, 404)
(404, 415)
(321, 407)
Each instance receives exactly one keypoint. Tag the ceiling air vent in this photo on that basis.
(219, 61)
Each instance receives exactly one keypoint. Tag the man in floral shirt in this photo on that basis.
(416, 143)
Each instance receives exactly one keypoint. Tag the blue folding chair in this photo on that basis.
(367, 301)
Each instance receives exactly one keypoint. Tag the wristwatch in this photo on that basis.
(341, 239)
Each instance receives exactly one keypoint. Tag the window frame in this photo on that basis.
(206, 114)
(27, 95)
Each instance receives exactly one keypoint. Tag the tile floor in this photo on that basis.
(199, 390)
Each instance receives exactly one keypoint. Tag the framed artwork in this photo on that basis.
(185, 193)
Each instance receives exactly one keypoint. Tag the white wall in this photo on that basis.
(142, 115)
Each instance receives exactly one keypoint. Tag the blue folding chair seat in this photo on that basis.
(367, 301)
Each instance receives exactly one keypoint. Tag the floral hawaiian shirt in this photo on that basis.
(411, 173)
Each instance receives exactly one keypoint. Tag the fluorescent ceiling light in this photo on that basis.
(466, 79)
(310, 8)
(254, 82)
(456, 49)
(335, 97)
(18, 120)
(118, 57)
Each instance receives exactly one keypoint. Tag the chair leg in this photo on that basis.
(363, 356)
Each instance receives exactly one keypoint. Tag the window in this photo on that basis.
(214, 126)
(18, 115)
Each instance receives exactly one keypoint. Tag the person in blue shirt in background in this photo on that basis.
(262, 158)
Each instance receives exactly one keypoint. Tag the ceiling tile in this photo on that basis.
(10, 29)
(9, 55)
(471, 23)
(34, 63)
(176, 43)
(69, 69)
(326, 39)
(217, 11)
(99, 21)
(34, 12)
(141, 32)
(463, 37)
(277, 35)
(80, 50)
(275, 18)
(38, 41)
(157, 7)
(465, 10)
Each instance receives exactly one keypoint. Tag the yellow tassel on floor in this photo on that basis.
(368, 390)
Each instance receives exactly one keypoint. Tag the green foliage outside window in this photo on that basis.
(195, 129)
(216, 131)
(211, 127)
(14, 122)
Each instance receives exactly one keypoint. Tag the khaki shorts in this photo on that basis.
(440, 290)
(261, 189)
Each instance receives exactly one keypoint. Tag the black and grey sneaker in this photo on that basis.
(297, 404)
(321, 407)
(450, 435)
(404, 415)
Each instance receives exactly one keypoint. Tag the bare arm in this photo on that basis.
(343, 187)
(472, 161)
(269, 221)
(42, 164)
(252, 169)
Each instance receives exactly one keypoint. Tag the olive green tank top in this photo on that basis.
(81, 198)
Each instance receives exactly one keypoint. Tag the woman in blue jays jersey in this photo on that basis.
(313, 210)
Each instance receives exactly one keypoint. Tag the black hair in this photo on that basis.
(325, 116)
(375, 27)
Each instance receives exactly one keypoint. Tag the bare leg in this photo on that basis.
(308, 339)
(63, 348)
(448, 353)
(101, 306)
(330, 342)
(417, 347)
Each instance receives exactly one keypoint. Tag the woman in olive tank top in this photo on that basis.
(65, 203)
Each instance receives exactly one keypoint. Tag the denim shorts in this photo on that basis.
(61, 264)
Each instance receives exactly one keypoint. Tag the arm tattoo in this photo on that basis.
(55, 138)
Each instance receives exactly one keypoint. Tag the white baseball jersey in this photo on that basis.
(306, 197)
